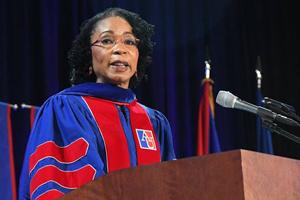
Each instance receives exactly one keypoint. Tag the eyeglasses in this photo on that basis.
(109, 41)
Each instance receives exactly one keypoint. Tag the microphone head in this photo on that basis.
(226, 99)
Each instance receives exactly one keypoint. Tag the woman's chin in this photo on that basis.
(118, 80)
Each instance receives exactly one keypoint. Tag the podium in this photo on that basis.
(232, 175)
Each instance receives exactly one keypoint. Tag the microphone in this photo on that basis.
(228, 100)
(271, 103)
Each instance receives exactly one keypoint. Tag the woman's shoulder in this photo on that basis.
(64, 96)
(61, 101)
(155, 114)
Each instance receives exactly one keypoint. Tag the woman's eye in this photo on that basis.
(107, 41)
(131, 42)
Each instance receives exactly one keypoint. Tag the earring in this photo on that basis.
(137, 76)
(90, 70)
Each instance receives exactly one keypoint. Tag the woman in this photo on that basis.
(97, 126)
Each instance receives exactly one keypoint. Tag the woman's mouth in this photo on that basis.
(119, 66)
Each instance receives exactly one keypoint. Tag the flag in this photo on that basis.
(7, 167)
(33, 111)
(264, 137)
(208, 140)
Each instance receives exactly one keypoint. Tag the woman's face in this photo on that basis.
(114, 51)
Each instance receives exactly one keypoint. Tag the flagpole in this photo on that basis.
(258, 72)
(207, 69)
(26, 106)
(13, 106)
(258, 78)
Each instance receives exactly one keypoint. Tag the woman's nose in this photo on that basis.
(119, 48)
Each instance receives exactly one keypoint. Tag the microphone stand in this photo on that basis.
(294, 116)
(273, 127)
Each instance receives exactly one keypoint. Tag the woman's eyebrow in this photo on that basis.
(112, 32)
(108, 31)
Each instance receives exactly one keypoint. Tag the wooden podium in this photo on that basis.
(231, 175)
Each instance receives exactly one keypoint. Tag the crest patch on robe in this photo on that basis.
(146, 139)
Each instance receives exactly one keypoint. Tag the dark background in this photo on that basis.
(36, 35)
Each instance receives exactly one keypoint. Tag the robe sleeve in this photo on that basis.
(63, 151)
(164, 134)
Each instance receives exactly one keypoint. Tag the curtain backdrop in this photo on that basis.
(36, 35)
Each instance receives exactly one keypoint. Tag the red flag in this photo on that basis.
(208, 140)
(33, 112)
(7, 166)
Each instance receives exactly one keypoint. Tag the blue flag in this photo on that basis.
(264, 137)
(7, 168)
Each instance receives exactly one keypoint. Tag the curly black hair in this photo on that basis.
(80, 56)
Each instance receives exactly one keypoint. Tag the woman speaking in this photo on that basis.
(97, 126)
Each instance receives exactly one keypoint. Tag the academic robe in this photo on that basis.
(87, 131)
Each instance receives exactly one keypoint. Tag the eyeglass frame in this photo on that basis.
(122, 40)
